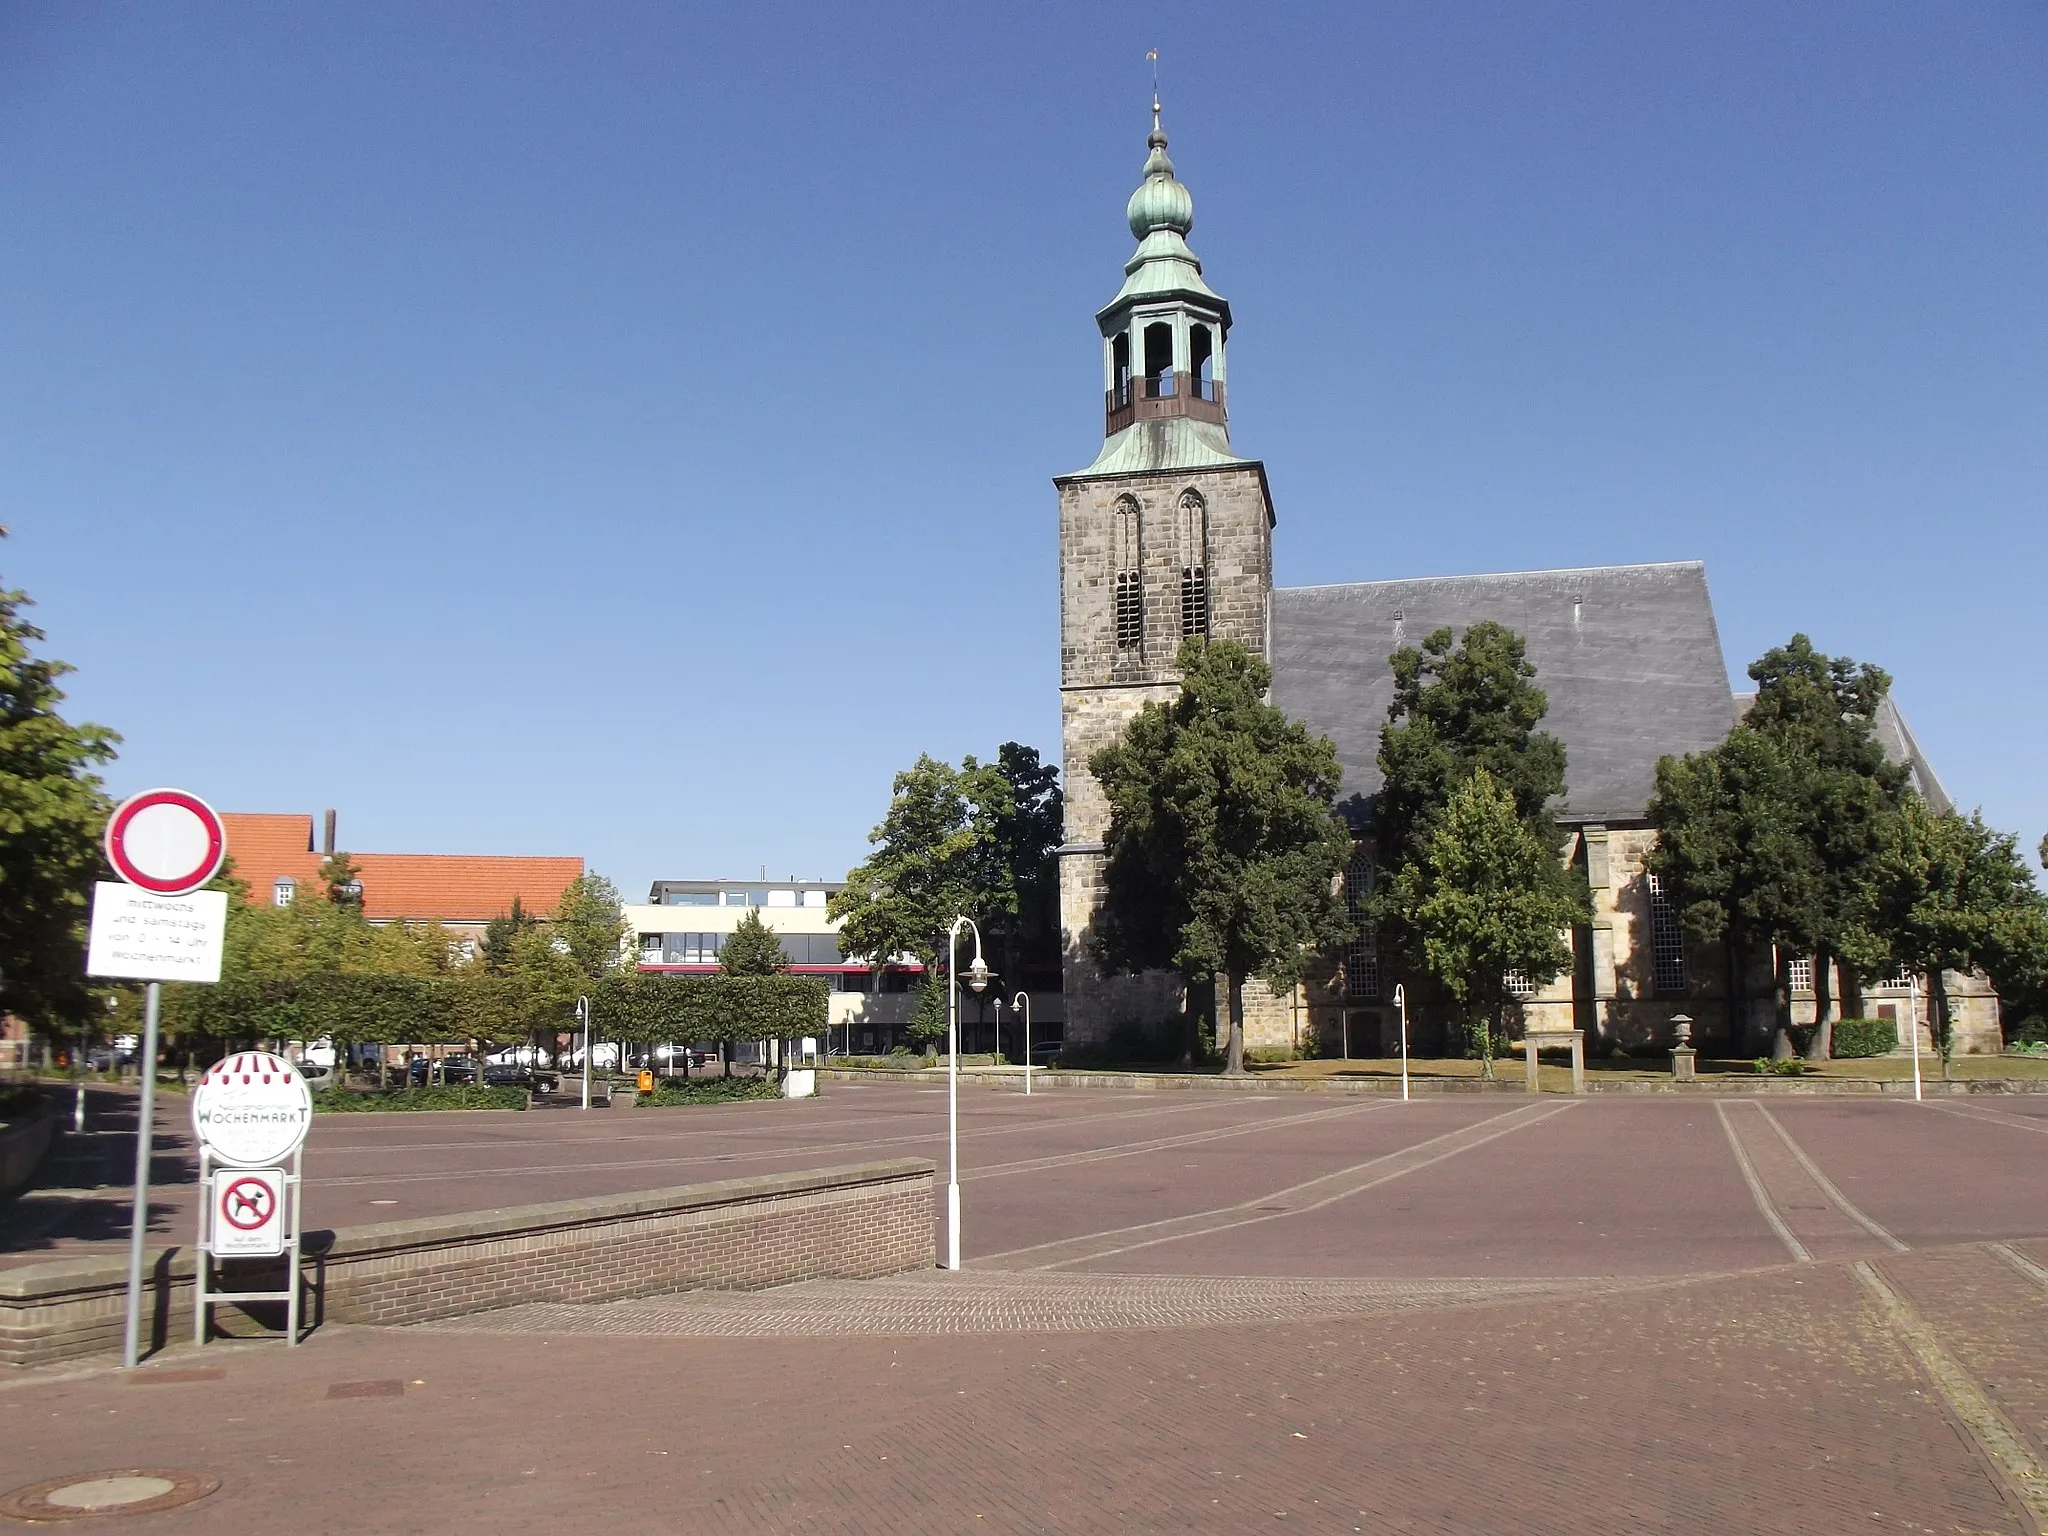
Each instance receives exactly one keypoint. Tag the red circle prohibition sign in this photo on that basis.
(172, 882)
(248, 1204)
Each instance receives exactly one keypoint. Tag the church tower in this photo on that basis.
(1167, 534)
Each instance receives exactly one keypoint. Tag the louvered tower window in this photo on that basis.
(1194, 570)
(1130, 579)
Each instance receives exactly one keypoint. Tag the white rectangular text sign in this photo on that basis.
(156, 938)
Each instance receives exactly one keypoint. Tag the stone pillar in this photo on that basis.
(1600, 881)
(1682, 1053)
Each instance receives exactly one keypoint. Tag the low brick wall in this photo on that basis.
(737, 1234)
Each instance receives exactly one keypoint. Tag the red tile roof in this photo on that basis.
(418, 887)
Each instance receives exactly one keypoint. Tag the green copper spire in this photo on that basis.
(1160, 202)
(1161, 212)
(1163, 367)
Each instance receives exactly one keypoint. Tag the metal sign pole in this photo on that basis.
(145, 1141)
(202, 1269)
(295, 1188)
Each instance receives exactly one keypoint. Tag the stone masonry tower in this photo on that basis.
(1167, 534)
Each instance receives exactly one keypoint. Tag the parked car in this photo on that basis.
(1045, 1052)
(450, 1069)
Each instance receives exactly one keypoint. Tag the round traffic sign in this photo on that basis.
(248, 1204)
(252, 1110)
(166, 841)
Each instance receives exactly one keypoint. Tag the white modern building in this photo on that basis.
(684, 924)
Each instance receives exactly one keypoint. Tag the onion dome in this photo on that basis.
(1160, 202)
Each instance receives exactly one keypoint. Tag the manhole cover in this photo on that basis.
(128, 1491)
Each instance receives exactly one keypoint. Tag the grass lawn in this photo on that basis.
(1556, 1073)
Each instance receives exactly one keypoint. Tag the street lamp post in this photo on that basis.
(977, 978)
(1913, 1028)
(583, 1017)
(1023, 1001)
(1401, 1004)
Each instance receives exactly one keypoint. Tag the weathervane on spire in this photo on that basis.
(1152, 54)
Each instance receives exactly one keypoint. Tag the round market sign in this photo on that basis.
(165, 841)
(252, 1110)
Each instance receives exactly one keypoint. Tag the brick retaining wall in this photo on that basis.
(738, 1234)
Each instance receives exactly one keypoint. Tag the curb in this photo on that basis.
(1372, 1086)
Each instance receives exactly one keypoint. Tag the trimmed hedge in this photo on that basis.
(651, 1006)
(706, 1090)
(452, 1096)
(1854, 1038)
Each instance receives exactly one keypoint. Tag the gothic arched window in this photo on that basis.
(1194, 565)
(1130, 579)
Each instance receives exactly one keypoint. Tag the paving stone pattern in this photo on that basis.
(998, 1302)
(1464, 1317)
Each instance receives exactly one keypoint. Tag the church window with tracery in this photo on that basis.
(1362, 955)
(1667, 941)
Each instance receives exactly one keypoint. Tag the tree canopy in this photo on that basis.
(753, 949)
(53, 809)
(1949, 893)
(976, 840)
(1773, 836)
(1224, 844)
(1461, 705)
(1463, 708)
(1484, 897)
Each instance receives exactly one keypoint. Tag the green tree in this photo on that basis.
(1772, 838)
(753, 949)
(1025, 820)
(1484, 896)
(591, 921)
(927, 1025)
(497, 950)
(1461, 707)
(934, 860)
(341, 878)
(1732, 853)
(1823, 711)
(1224, 845)
(1951, 894)
(53, 810)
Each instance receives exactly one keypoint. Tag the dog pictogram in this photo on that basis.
(248, 1204)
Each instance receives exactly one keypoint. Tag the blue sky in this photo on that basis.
(625, 430)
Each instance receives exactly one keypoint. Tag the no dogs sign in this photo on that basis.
(248, 1213)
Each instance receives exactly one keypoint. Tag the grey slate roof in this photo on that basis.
(1628, 654)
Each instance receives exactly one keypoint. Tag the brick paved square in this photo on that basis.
(1487, 1313)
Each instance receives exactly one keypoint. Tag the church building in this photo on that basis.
(1169, 533)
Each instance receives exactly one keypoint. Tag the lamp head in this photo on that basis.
(977, 975)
